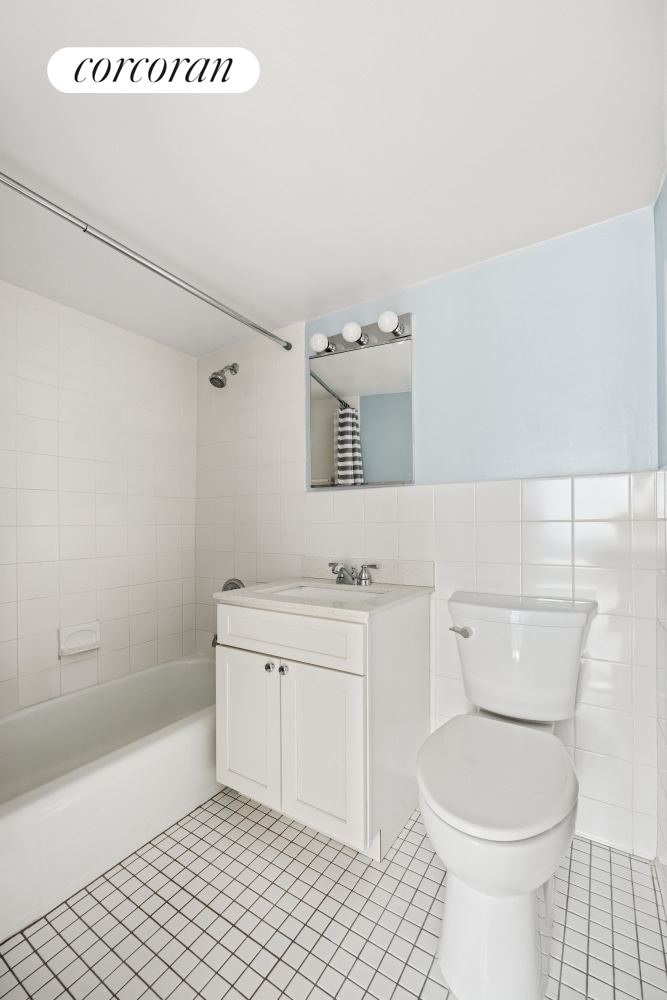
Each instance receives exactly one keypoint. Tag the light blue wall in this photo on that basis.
(386, 437)
(660, 220)
(541, 362)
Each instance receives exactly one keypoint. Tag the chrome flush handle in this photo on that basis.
(464, 632)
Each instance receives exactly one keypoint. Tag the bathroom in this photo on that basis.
(524, 238)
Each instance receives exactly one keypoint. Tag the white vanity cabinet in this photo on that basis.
(293, 739)
(322, 717)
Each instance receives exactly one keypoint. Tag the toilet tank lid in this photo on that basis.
(517, 610)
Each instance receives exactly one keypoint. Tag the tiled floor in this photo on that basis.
(235, 901)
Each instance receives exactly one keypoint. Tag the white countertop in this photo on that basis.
(339, 601)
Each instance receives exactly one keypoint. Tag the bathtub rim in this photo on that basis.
(102, 763)
(82, 693)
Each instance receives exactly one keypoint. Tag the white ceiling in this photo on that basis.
(385, 143)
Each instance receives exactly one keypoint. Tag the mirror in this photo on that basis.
(361, 413)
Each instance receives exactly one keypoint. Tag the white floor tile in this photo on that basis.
(237, 901)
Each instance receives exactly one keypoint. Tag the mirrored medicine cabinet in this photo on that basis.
(361, 427)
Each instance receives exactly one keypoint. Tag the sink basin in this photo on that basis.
(335, 593)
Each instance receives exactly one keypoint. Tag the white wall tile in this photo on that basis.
(416, 541)
(38, 687)
(606, 779)
(606, 685)
(381, 541)
(644, 593)
(78, 674)
(349, 542)
(645, 544)
(37, 435)
(609, 638)
(546, 499)
(611, 588)
(599, 498)
(38, 653)
(498, 578)
(500, 501)
(451, 576)
(38, 616)
(455, 542)
(37, 544)
(498, 542)
(37, 507)
(644, 649)
(603, 731)
(8, 583)
(8, 621)
(547, 581)
(455, 502)
(415, 504)
(36, 472)
(602, 543)
(547, 543)
(348, 506)
(643, 494)
(606, 823)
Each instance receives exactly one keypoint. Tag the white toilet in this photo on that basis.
(498, 791)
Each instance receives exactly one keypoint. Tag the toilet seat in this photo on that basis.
(495, 780)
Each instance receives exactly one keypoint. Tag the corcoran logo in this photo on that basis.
(153, 70)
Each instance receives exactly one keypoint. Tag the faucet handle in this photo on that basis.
(364, 577)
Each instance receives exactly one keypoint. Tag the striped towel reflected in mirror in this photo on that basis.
(349, 464)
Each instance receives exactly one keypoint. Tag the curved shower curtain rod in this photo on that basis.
(133, 255)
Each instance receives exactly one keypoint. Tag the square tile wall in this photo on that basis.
(251, 469)
(589, 537)
(97, 498)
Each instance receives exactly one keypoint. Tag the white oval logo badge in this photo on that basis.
(153, 70)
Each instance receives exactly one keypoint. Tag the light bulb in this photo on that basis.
(319, 342)
(352, 332)
(388, 321)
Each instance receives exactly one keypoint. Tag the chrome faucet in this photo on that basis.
(345, 576)
(342, 574)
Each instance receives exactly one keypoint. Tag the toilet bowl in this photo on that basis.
(498, 792)
(499, 804)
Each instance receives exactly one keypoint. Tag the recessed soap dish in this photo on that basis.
(78, 638)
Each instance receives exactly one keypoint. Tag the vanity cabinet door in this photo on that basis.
(323, 741)
(248, 724)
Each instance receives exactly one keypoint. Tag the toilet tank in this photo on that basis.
(521, 656)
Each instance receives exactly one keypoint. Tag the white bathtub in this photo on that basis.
(88, 778)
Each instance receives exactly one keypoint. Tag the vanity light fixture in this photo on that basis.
(353, 334)
(388, 330)
(389, 322)
(321, 344)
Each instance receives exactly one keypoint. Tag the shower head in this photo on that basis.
(219, 379)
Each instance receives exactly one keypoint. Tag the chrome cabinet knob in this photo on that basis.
(215, 639)
(464, 632)
(269, 667)
(283, 669)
